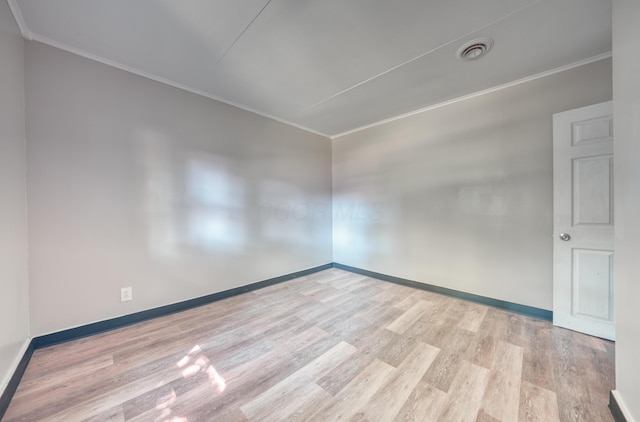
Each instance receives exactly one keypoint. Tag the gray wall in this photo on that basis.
(135, 183)
(14, 310)
(626, 106)
(461, 196)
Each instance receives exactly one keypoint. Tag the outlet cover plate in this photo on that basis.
(126, 294)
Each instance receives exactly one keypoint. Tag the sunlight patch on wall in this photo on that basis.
(284, 213)
(216, 204)
(354, 221)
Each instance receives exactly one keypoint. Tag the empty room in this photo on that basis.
(306, 210)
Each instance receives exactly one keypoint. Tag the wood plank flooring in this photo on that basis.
(331, 346)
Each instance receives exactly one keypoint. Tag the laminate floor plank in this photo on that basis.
(537, 366)
(493, 329)
(473, 317)
(36, 386)
(360, 335)
(317, 289)
(465, 395)
(502, 394)
(404, 321)
(578, 401)
(537, 404)
(375, 309)
(114, 414)
(443, 370)
(423, 404)
(265, 405)
(304, 409)
(115, 381)
(349, 282)
(388, 297)
(406, 303)
(355, 395)
(328, 346)
(289, 406)
(337, 379)
(483, 417)
(387, 402)
(398, 350)
(99, 403)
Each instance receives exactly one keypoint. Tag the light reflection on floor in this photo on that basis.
(193, 363)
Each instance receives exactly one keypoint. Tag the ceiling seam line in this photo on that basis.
(420, 56)
(243, 31)
(445, 103)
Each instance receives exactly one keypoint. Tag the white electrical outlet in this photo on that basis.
(126, 294)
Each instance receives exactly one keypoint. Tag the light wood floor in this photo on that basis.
(330, 346)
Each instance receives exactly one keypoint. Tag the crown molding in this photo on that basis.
(147, 75)
(479, 93)
(17, 15)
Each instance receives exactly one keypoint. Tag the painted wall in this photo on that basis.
(14, 310)
(626, 106)
(461, 196)
(135, 183)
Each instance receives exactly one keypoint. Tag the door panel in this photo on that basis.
(592, 190)
(592, 281)
(583, 214)
(591, 131)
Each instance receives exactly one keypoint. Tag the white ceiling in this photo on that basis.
(329, 66)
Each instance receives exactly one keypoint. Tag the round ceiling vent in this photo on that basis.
(474, 49)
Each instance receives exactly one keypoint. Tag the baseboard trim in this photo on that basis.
(496, 303)
(125, 320)
(616, 407)
(14, 381)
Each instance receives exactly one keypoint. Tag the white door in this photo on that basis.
(583, 220)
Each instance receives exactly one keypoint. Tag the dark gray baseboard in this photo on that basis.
(614, 407)
(12, 386)
(513, 307)
(119, 322)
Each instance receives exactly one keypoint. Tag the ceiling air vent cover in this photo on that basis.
(474, 49)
